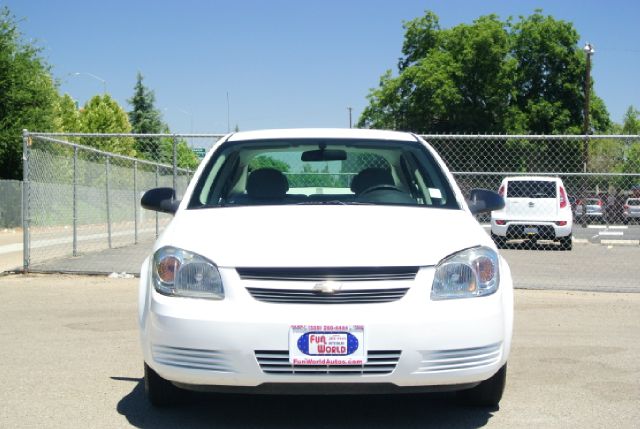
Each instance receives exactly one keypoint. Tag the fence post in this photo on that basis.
(135, 202)
(108, 202)
(75, 200)
(157, 183)
(25, 201)
(175, 163)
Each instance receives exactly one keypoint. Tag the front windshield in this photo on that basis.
(309, 171)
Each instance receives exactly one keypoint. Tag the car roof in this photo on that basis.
(328, 133)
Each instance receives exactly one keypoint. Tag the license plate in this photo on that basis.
(327, 345)
(530, 230)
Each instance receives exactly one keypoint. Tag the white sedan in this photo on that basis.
(322, 261)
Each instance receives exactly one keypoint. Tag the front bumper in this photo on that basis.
(418, 343)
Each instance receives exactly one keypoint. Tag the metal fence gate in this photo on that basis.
(81, 197)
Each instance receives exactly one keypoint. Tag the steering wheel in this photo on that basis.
(382, 187)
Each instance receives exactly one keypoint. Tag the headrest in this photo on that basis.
(267, 183)
(371, 177)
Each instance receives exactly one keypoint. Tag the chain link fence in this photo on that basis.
(561, 192)
(10, 203)
(82, 191)
(595, 170)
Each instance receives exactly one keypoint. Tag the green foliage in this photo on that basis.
(490, 76)
(146, 119)
(631, 126)
(27, 94)
(102, 114)
(268, 162)
(631, 122)
(316, 177)
(67, 115)
(186, 157)
(616, 155)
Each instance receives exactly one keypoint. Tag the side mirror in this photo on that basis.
(160, 200)
(483, 200)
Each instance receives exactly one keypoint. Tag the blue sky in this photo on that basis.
(284, 63)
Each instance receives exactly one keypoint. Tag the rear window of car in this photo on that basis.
(592, 201)
(531, 189)
(634, 202)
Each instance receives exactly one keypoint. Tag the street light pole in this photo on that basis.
(350, 109)
(588, 50)
(104, 82)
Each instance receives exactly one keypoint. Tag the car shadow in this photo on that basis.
(259, 411)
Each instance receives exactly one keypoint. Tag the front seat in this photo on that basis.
(267, 185)
(370, 177)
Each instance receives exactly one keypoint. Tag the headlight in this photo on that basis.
(469, 273)
(181, 273)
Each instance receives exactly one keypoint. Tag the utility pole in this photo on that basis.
(350, 109)
(588, 50)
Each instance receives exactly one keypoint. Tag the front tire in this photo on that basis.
(160, 392)
(488, 393)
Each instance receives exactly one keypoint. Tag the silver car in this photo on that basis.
(631, 210)
(589, 209)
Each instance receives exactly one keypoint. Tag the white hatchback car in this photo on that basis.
(324, 261)
(536, 207)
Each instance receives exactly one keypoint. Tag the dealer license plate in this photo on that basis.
(327, 345)
(530, 230)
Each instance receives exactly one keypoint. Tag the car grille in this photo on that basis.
(378, 363)
(210, 360)
(340, 274)
(309, 296)
(457, 359)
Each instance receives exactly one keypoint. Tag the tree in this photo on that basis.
(27, 94)
(102, 114)
(490, 76)
(631, 126)
(67, 115)
(264, 161)
(631, 121)
(185, 158)
(145, 119)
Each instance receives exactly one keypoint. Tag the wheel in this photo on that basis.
(625, 221)
(160, 392)
(488, 393)
(566, 243)
(500, 241)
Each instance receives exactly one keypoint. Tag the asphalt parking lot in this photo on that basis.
(69, 357)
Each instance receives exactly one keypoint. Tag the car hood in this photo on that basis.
(323, 236)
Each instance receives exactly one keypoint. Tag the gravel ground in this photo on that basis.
(69, 357)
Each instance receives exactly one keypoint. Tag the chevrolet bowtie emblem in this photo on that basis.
(328, 287)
